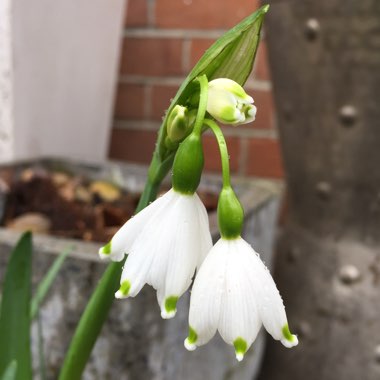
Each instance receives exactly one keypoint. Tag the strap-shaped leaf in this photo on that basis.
(10, 372)
(47, 282)
(15, 310)
(231, 56)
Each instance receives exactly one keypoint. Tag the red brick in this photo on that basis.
(261, 70)
(265, 109)
(151, 56)
(161, 98)
(198, 47)
(201, 14)
(136, 13)
(212, 155)
(129, 103)
(135, 146)
(264, 159)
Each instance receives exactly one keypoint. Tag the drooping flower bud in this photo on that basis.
(230, 214)
(229, 103)
(178, 123)
(188, 165)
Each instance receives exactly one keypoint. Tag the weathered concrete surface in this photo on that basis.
(135, 343)
(325, 61)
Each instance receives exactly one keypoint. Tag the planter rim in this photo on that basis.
(254, 193)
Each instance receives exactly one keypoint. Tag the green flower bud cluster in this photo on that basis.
(226, 101)
(178, 124)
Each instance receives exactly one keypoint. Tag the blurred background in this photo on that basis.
(110, 102)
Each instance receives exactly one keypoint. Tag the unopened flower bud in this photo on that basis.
(229, 103)
(230, 214)
(178, 123)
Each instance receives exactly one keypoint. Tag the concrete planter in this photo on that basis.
(135, 342)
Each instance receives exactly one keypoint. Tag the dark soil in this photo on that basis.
(67, 205)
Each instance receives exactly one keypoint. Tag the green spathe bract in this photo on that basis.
(231, 56)
(188, 165)
(230, 214)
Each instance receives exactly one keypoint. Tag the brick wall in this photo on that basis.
(163, 39)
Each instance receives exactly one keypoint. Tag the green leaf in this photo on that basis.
(10, 372)
(15, 310)
(231, 56)
(47, 282)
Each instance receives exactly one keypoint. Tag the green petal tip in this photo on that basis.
(170, 307)
(290, 340)
(123, 290)
(105, 250)
(240, 348)
(191, 339)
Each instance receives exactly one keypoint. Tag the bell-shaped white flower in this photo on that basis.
(235, 294)
(229, 103)
(165, 243)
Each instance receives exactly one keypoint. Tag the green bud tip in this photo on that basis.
(124, 289)
(191, 339)
(178, 122)
(170, 307)
(240, 348)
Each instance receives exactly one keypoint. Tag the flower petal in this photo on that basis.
(231, 86)
(122, 241)
(183, 256)
(222, 105)
(144, 249)
(270, 304)
(204, 233)
(239, 321)
(206, 297)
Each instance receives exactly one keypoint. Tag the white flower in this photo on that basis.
(229, 103)
(165, 243)
(235, 293)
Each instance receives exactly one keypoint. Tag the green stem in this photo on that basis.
(223, 151)
(91, 323)
(203, 83)
(100, 303)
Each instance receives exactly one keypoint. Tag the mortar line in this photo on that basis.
(154, 125)
(243, 156)
(186, 55)
(148, 100)
(253, 84)
(152, 32)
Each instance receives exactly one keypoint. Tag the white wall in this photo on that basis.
(65, 59)
(6, 84)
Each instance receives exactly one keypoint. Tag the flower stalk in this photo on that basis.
(232, 57)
